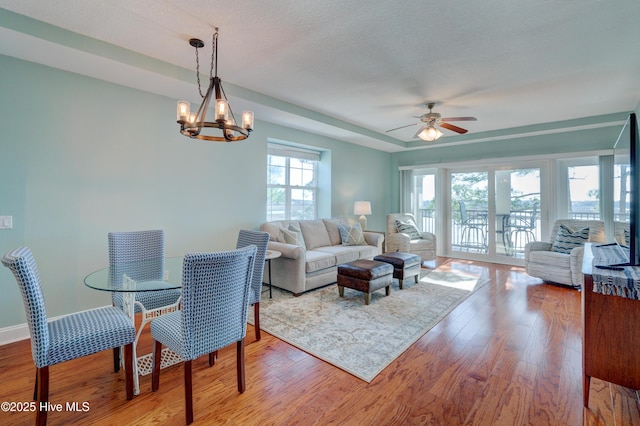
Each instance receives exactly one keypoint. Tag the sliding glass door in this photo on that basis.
(469, 213)
(493, 212)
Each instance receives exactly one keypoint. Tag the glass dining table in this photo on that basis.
(118, 279)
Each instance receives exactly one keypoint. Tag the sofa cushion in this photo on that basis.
(333, 230)
(568, 239)
(315, 234)
(550, 258)
(318, 260)
(342, 254)
(351, 235)
(367, 252)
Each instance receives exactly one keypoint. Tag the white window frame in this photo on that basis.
(289, 152)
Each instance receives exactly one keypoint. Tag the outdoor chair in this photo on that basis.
(70, 337)
(474, 225)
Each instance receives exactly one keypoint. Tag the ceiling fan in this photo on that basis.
(432, 120)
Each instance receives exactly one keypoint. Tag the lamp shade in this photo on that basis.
(362, 207)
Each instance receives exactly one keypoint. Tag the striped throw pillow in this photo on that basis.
(409, 228)
(567, 239)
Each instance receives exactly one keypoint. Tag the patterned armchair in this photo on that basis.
(421, 243)
(67, 338)
(560, 260)
(215, 299)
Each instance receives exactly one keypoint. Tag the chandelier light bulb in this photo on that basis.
(183, 111)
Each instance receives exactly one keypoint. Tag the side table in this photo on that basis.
(269, 255)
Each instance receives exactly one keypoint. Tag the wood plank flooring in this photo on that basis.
(508, 355)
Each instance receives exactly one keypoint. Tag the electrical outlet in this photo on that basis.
(6, 222)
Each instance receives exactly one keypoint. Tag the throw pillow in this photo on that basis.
(408, 227)
(568, 239)
(289, 237)
(299, 237)
(351, 235)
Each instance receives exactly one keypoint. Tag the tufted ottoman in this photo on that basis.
(366, 276)
(405, 265)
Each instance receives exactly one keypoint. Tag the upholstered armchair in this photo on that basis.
(560, 260)
(409, 240)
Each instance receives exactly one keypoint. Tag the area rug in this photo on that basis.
(364, 339)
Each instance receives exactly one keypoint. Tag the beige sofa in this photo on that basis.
(314, 262)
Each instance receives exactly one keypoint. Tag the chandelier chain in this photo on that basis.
(198, 72)
(214, 53)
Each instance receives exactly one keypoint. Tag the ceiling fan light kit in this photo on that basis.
(429, 133)
(195, 124)
(432, 120)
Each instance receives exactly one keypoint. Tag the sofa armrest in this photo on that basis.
(374, 239)
(398, 242)
(290, 251)
(428, 236)
(577, 254)
(535, 246)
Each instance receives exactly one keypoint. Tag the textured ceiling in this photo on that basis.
(360, 67)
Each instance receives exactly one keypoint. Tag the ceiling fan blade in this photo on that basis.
(454, 128)
(401, 127)
(459, 119)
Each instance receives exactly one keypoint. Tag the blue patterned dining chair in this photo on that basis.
(139, 255)
(260, 240)
(215, 301)
(72, 336)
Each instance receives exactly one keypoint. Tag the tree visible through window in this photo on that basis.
(292, 180)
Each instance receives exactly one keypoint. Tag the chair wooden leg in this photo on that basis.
(213, 356)
(35, 387)
(155, 373)
(240, 365)
(43, 395)
(188, 391)
(256, 317)
(116, 360)
(128, 371)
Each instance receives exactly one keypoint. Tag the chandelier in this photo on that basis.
(195, 125)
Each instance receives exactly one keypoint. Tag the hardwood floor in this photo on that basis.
(508, 355)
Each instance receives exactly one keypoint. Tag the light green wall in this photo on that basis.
(81, 157)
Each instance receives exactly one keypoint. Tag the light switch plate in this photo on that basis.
(6, 222)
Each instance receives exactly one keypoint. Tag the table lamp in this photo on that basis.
(362, 208)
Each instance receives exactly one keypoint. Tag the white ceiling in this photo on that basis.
(360, 67)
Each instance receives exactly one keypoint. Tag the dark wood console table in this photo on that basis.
(610, 330)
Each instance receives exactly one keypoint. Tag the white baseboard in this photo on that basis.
(14, 333)
(18, 332)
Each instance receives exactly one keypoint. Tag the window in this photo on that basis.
(292, 183)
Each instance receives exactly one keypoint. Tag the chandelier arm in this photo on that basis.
(227, 99)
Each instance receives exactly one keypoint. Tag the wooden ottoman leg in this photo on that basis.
(387, 290)
(367, 298)
(341, 291)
